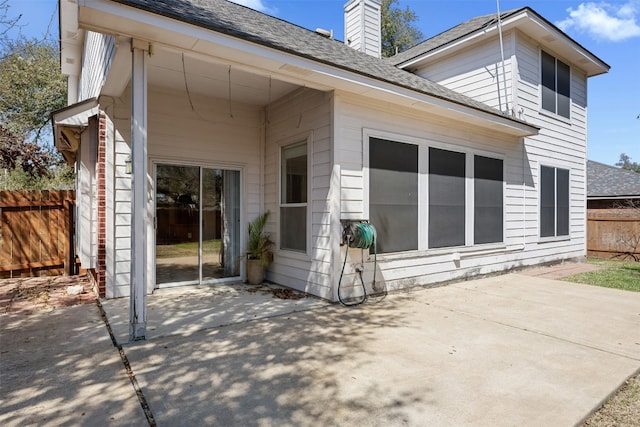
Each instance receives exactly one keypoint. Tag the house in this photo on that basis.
(188, 119)
(613, 212)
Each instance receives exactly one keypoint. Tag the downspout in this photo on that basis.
(504, 73)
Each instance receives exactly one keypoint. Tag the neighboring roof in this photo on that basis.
(605, 181)
(480, 23)
(242, 22)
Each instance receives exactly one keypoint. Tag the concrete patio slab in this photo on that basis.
(189, 309)
(509, 350)
(60, 368)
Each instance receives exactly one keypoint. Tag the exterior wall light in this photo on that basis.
(128, 166)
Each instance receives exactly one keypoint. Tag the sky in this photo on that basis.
(610, 30)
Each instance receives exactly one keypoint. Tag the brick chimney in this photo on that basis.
(362, 24)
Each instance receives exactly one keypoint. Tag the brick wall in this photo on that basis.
(101, 270)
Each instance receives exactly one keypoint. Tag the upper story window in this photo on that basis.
(556, 85)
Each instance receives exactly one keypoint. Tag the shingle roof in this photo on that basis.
(609, 181)
(245, 23)
(453, 34)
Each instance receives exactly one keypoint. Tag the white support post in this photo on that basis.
(138, 298)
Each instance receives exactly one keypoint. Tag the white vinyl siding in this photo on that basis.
(99, 52)
(476, 72)
(561, 142)
(180, 135)
(87, 202)
(520, 244)
(304, 114)
(362, 26)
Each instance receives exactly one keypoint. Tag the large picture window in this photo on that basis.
(446, 198)
(423, 197)
(293, 197)
(488, 200)
(554, 202)
(556, 85)
(393, 194)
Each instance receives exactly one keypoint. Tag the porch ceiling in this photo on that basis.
(181, 71)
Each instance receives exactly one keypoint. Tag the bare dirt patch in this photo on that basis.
(29, 294)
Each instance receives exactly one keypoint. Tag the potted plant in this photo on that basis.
(259, 254)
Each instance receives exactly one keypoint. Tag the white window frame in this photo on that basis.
(542, 110)
(555, 237)
(306, 137)
(423, 187)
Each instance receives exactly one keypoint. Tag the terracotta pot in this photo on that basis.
(255, 272)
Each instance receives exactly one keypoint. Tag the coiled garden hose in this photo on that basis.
(365, 238)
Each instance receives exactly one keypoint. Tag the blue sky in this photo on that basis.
(610, 30)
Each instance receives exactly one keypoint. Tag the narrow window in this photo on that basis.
(446, 198)
(488, 200)
(554, 202)
(293, 202)
(393, 194)
(556, 85)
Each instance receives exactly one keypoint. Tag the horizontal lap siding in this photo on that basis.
(521, 241)
(560, 143)
(291, 119)
(98, 55)
(476, 72)
(176, 134)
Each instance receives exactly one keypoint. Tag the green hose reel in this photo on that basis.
(361, 235)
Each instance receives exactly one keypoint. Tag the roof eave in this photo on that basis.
(118, 19)
(532, 24)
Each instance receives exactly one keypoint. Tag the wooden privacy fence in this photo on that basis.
(613, 233)
(36, 232)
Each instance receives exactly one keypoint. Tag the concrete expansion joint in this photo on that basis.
(127, 366)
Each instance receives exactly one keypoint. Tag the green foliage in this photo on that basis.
(615, 274)
(31, 86)
(60, 177)
(398, 30)
(626, 163)
(259, 241)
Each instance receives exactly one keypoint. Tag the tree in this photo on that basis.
(7, 23)
(626, 163)
(31, 87)
(398, 30)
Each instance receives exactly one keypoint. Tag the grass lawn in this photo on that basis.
(614, 274)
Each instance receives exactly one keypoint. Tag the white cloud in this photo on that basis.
(604, 20)
(257, 5)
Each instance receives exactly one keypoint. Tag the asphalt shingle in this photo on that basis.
(451, 35)
(247, 24)
(609, 181)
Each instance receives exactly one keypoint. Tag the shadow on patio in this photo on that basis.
(189, 309)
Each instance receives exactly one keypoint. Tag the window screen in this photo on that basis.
(556, 85)
(293, 197)
(446, 198)
(488, 200)
(393, 194)
(547, 201)
(564, 85)
(548, 82)
(562, 202)
(554, 202)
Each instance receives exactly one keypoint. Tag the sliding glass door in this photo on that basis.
(198, 224)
